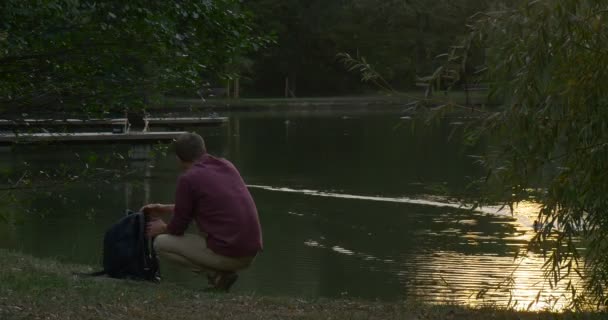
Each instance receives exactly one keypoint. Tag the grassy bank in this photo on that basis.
(32, 288)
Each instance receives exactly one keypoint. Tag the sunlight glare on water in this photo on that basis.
(452, 277)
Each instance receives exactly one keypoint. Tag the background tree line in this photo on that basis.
(96, 55)
(401, 38)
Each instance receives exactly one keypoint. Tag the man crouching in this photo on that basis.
(211, 192)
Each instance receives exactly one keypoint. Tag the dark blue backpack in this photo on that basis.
(127, 252)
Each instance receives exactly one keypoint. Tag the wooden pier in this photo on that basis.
(161, 121)
(187, 121)
(89, 137)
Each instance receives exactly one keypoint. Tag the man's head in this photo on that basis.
(189, 147)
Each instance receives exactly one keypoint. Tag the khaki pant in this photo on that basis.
(191, 251)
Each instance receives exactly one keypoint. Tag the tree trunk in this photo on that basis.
(237, 88)
(292, 88)
(286, 87)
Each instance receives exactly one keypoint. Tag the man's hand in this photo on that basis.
(155, 227)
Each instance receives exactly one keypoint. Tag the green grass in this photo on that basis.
(32, 288)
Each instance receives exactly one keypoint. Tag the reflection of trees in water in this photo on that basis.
(285, 265)
(68, 224)
(351, 260)
(137, 192)
(68, 221)
(386, 241)
(362, 154)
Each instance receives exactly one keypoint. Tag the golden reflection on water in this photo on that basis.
(460, 279)
(444, 271)
(454, 277)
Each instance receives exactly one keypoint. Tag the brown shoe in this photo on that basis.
(222, 281)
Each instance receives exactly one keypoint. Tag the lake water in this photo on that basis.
(351, 205)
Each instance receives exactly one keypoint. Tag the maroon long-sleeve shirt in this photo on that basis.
(213, 194)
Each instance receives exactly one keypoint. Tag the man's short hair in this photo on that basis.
(189, 147)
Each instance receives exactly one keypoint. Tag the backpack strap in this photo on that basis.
(142, 237)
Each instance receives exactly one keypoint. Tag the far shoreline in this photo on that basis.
(372, 103)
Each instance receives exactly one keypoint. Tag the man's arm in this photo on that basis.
(157, 209)
(183, 211)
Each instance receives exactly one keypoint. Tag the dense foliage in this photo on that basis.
(543, 62)
(101, 54)
(546, 60)
(400, 38)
